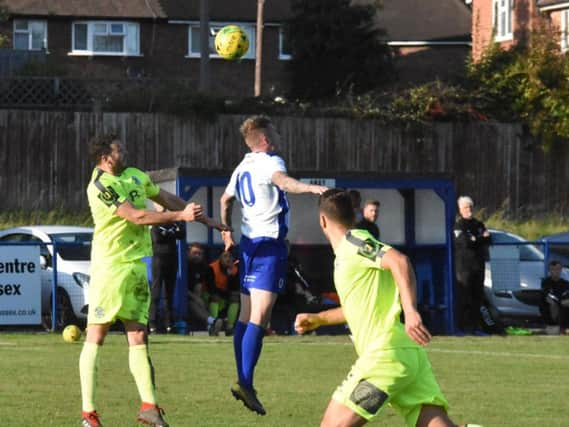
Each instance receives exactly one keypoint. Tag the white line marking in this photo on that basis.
(499, 353)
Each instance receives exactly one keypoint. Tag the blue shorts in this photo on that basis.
(263, 264)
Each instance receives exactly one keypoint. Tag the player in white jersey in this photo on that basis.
(258, 184)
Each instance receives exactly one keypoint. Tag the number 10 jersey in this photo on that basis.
(264, 207)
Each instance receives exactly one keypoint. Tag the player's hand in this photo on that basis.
(227, 237)
(192, 212)
(318, 189)
(306, 322)
(415, 328)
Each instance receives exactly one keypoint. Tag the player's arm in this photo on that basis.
(306, 322)
(169, 201)
(404, 276)
(291, 185)
(191, 212)
(174, 203)
(226, 212)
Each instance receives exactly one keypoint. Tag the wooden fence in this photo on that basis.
(44, 159)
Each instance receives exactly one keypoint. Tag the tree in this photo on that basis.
(529, 82)
(4, 15)
(336, 47)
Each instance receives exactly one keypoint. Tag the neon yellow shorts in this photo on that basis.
(402, 378)
(119, 291)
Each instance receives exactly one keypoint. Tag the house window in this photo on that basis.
(565, 30)
(194, 39)
(503, 19)
(284, 45)
(106, 38)
(30, 35)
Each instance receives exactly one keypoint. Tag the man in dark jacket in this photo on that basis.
(471, 240)
(370, 212)
(556, 296)
(164, 268)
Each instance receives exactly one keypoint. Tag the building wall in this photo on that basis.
(417, 65)
(482, 27)
(164, 50)
(526, 17)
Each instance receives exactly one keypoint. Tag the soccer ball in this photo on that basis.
(71, 333)
(231, 42)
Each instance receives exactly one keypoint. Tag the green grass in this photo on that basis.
(532, 228)
(493, 381)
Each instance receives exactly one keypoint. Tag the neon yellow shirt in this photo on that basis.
(115, 239)
(368, 294)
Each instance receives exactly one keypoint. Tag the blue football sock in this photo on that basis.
(251, 349)
(238, 332)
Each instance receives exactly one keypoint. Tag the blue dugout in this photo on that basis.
(417, 214)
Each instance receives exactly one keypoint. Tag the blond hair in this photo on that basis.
(255, 125)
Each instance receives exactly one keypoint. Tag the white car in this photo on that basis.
(73, 260)
(513, 277)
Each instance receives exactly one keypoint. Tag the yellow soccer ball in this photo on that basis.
(231, 42)
(71, 333)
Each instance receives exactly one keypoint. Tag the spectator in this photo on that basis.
(556, 296)
(370, 213)
(200, 281)
(297, 298)
(356, 199)
(471, 240)
(225, 293)
(164, 268)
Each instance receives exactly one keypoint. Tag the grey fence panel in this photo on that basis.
(44, 161)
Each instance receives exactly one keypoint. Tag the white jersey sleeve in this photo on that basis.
(264, 207)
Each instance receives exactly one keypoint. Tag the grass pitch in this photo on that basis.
(493, 381)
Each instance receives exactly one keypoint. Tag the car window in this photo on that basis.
(23, 237)
(74, 246)
(528, 252)
(17, 237)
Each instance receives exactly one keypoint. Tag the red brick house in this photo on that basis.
(509, 22)
(127, 39)
(160, 39)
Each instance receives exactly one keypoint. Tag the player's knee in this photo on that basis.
(260, 319)
(342, 420)
(261, 315)
(434, 416)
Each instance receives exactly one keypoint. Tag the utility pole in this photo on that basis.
(259, 48)
(204, 46)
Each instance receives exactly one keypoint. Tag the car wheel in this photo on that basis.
(64, 315)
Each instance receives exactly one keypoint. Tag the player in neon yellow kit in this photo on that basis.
(373, 281)
(118, 287)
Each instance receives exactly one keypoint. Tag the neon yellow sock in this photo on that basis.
(139, 364)
(214, 309)
(88, 365)
(232, 313)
